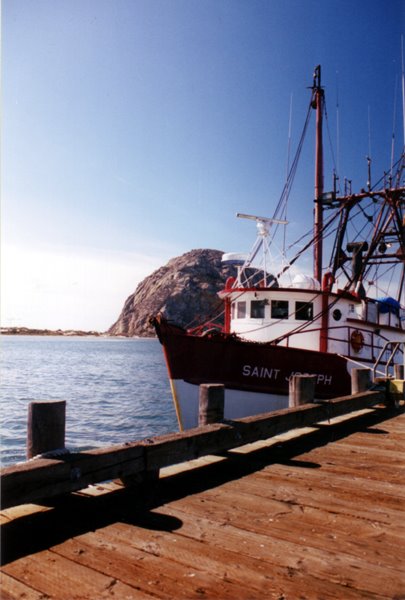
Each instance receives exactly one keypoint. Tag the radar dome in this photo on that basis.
(305, 282)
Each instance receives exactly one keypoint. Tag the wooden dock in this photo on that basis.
(314, 513)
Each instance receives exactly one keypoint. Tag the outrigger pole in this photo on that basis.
(317, 104)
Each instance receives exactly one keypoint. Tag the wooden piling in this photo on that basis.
(301, 390)
(49, 477)
(46, 427)
(211, 403)
(361, 380)
(399, 371)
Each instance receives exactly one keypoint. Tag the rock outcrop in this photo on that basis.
(184, 291)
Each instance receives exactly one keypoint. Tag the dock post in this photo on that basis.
(46, 427)
(398, 371)
(211, 403)
(301, 390)
(361, 380)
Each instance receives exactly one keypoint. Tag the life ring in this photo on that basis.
(357, 340)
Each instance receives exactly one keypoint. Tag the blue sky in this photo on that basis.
(134, 130)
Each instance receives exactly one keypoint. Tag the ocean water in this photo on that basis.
(116, 389)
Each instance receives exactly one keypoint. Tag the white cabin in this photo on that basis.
(293, 317)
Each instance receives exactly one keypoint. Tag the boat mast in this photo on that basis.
(317, 104)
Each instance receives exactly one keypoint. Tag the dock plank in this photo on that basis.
(337, 503)
(11, 589)
(116, 555)
(384, 508)
(57, 577)
(319, 516)
(231, 568)
(300, 557)
(313, 526)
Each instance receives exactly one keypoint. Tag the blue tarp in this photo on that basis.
(386, 305)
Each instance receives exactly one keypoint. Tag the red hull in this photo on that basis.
(243, 365)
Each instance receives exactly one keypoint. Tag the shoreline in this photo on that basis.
(49, 332)
(67, 333)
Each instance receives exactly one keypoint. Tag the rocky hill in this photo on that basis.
(182, 290)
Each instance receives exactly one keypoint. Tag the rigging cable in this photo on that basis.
(284, 215)
(330, 139)
(286, 189)
(337, 128)
(393, 127)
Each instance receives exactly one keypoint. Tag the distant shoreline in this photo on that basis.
(50, 332)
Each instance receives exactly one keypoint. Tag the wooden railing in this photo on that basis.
(43, 478)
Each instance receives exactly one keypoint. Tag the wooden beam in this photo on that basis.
(43, 478)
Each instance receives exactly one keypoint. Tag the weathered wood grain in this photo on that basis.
(315, 524)
(63, 579)
(46, 426)
(43, 478)
(247, 576)
(293, 520)
(293, 549)
(11, 589)
(115, 556)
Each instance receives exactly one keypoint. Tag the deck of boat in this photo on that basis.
(311, 514)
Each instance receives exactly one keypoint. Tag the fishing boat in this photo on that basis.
(278, 321)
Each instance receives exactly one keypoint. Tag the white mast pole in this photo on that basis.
(403, 86)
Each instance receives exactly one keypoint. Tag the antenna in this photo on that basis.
(263, 226)
(393, 126)
(403, 85)
(288, 167)
(337, 127)
(369, 173)
(368, 157)
(264, 220)
(289, 136)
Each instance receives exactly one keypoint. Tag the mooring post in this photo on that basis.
(46, 427)
(398, 371)
(361, 380)
(211, 403)
(301, 390)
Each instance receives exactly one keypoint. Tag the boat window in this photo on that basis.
(304, 311)
(257, 309)
(241, 310)
(279, 309)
